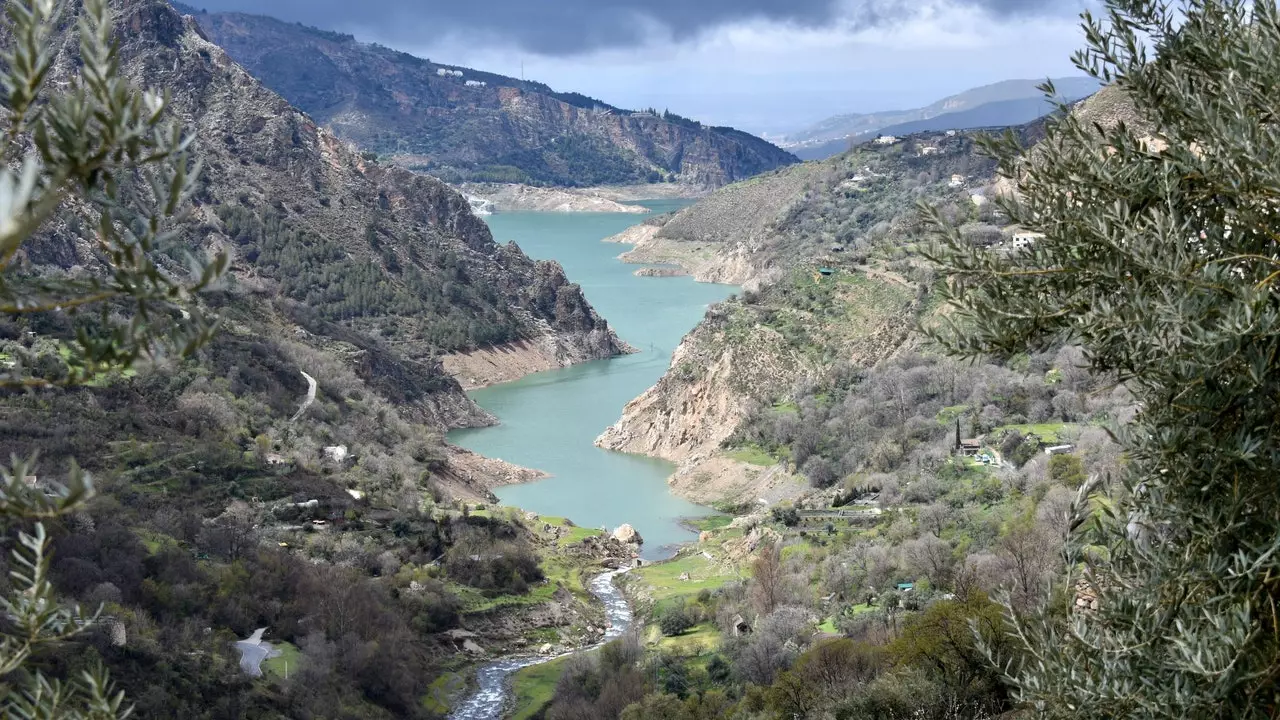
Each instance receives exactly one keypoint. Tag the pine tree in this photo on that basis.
(1160, 258)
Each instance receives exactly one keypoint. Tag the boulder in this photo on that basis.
(545, 649)
(627, 534)
(705, 536)
(471, 647)
(336, 453)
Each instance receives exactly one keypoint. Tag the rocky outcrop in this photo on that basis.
(512, 361)
(507, 197)
(730, 236)
(461, 123)
(627, 535)
(712, 383)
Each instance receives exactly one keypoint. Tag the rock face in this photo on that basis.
(508, 197)
(461, 124)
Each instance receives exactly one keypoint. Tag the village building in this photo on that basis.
(886, 140)
(1021, 237)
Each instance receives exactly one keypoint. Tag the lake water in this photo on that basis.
(549, 420)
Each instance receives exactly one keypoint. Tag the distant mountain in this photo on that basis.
(463, 124)
(1005, 113)
(1006, 103)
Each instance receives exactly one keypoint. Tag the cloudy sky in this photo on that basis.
(767, 66)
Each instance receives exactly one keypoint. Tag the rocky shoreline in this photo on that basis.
(502, 197)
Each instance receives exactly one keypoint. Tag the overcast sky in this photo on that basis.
(766, 66)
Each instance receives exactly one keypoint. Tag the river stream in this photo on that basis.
(491, 698)
(549, 420)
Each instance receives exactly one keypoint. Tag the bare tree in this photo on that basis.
(931, 558)
(1054, 510)
(1029, 552)
(936, 517)
(769, 586)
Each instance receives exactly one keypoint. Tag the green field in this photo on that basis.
(664, 578)
(285, 664)
(533, 687)
(698, 640)
(752, 455)
(1050, 433)
(710, 522)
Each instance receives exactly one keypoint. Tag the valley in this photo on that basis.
(340, 382)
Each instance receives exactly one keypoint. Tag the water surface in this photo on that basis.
(549, 420)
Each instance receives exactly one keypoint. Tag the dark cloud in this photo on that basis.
(565, 27)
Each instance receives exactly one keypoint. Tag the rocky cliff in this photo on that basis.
(360, 274)
(460, 123)
(822, 249)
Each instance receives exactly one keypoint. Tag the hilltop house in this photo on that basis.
(886, 140)
(1021, 237)
(929, 150)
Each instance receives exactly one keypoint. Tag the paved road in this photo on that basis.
(253, 650)
(311, 397)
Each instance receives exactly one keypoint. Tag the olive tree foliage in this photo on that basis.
(1160, 259)
(96, 146)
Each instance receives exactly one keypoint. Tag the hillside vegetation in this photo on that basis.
(290, 475)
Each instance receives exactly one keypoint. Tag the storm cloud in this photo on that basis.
(570, 27)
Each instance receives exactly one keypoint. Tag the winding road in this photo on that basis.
(311, 397)
(492, 697)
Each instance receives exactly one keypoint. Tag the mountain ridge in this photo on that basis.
(462, 124)
(994, 104)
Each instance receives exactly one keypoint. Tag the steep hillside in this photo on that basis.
(761, 228)
(998, 108)
(293, 477)
(826, 250)
(361, 275)
(462, 124)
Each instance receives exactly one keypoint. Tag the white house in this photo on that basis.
(886, 140)
(929, 150)
(476, 83)
(951, 133)
(956, 181)
(1023, 238)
